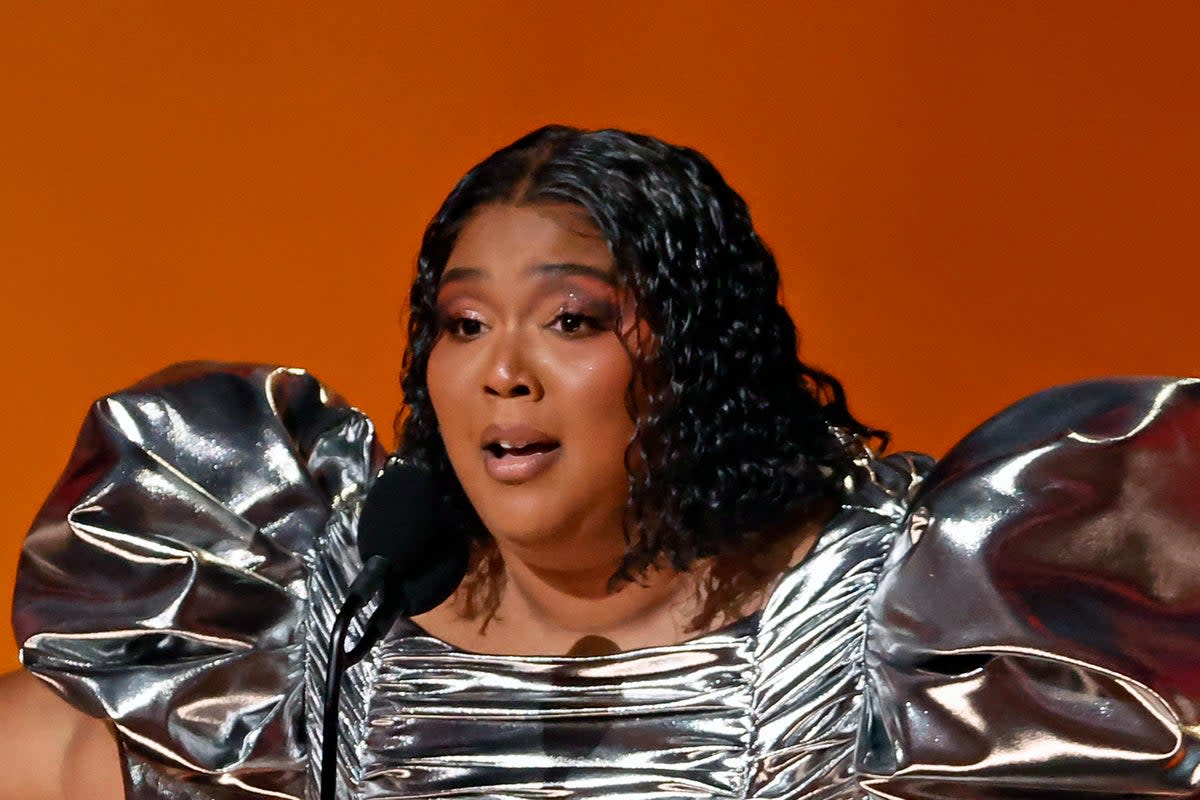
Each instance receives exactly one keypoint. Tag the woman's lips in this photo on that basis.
(518, 468)
(517, 452)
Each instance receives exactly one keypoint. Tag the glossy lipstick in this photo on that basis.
(518, 453)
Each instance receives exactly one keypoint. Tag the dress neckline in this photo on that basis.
(744, 627)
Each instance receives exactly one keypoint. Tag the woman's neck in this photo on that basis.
(564, 605)
(544, 610)
(548, 610)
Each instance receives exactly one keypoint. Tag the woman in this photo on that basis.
(690, 577)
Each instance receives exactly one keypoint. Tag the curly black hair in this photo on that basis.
(735, 437)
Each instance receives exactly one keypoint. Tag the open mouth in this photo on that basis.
(518, 455)
(508, 449)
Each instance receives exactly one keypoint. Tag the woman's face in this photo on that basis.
(528, 379)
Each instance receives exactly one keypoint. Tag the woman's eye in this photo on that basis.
(463, 327)
(575, 324)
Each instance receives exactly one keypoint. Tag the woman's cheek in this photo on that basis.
(600, 390)
(439, 377)
(433, 382)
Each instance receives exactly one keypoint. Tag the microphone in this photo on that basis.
(399, 524)
(408, 563)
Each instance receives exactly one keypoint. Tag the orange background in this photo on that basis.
(970, 201)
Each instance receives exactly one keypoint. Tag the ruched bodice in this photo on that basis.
(767, 707)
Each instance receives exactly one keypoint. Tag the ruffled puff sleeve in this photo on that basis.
(204, 522)
(1038, 633)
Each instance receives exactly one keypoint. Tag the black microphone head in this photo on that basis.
(399, 522)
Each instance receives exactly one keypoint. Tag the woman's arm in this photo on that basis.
(49, 750)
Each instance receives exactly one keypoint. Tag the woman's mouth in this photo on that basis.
(517, 453)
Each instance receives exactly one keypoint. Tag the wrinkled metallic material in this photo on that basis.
(1029, 626)
(1037, 631)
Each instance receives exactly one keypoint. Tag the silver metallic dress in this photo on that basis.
(1021, 620)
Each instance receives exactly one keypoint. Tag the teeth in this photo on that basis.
(508, 444)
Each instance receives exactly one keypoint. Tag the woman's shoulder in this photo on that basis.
(850, 542)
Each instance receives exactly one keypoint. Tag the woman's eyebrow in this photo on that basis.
(557, 269)
(455, 274)
(568, 269)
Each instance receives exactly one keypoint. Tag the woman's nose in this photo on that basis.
(509, 372)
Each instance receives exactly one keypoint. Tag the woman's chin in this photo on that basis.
(552, 541)
(522, 531)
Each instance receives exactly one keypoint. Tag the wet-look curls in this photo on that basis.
(737, 441)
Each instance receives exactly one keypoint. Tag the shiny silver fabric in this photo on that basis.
(175, 579)
(1041, 635)
(1032, 626)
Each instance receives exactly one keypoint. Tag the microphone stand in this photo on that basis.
(369, 583)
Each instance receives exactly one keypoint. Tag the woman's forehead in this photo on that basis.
(541, 272)
(508, 239)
